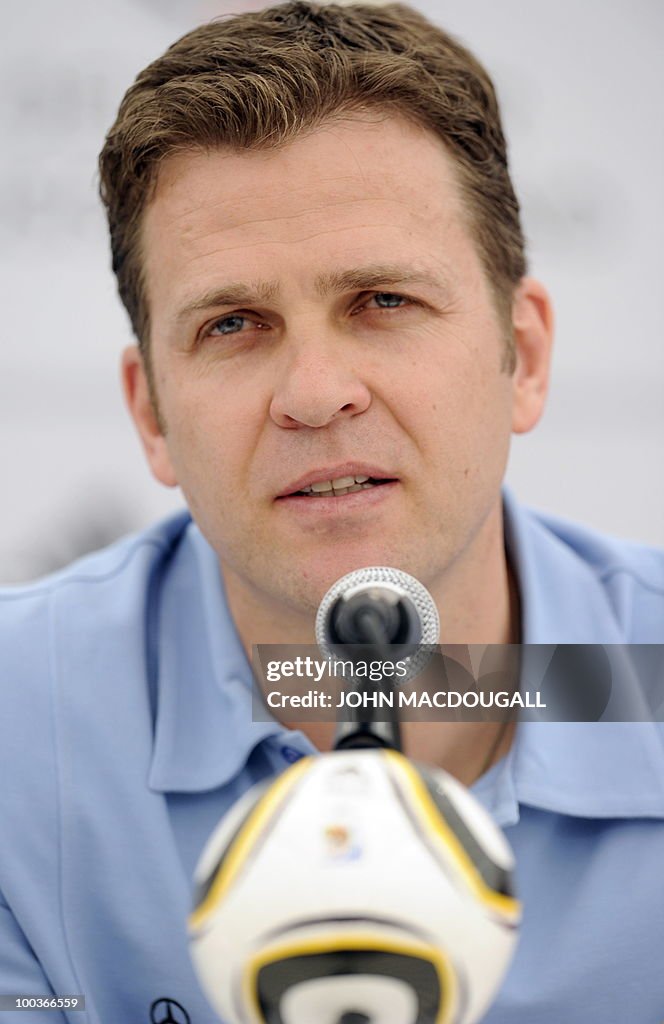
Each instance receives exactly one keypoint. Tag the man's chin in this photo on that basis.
(323, 570)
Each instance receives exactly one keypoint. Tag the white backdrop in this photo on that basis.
(580, 86)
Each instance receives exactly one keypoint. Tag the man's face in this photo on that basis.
(320, 313)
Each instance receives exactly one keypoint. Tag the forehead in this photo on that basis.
(336, 193)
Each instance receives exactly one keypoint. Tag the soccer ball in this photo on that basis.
(359, 888)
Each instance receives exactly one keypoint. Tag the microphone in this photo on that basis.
(384, 614)
(378, 606)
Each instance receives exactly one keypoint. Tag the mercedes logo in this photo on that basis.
(167, 1011)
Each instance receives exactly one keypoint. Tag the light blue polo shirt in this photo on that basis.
(126, 733)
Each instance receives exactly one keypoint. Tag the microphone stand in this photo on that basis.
(363, 731)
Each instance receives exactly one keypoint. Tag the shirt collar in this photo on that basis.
(204, 731)
(562, 600)
(588, 769)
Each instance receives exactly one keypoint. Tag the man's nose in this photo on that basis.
(316, 385)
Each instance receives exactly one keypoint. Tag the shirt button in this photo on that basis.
(291, 755)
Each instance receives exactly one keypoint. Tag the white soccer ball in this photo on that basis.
(358, 888)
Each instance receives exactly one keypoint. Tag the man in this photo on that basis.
(317, 241)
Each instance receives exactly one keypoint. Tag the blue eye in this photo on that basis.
(388, 300)
(229, 325)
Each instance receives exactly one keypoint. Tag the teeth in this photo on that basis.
(342, 485)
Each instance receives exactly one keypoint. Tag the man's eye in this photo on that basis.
(388, 300)
(385, 300)
(373, 301)
(228, 325)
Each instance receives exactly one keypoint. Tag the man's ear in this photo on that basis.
(139, 401)
(532, 319)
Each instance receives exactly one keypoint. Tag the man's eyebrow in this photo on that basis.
(355, 279)
(377, 275)
(230, 295)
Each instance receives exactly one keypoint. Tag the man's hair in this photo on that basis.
(258, 80)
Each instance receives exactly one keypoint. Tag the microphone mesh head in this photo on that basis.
(400, 583)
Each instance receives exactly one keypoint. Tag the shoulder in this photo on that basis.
(124, 562)
(95, 596)
(608, 557)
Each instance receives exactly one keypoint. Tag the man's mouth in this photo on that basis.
(337, 481)
(342, 485)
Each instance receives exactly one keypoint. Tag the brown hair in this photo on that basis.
(259, 79)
